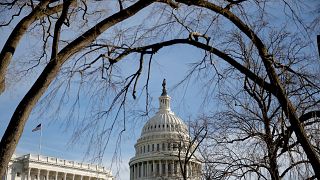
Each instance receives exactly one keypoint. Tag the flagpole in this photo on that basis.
(40, 139)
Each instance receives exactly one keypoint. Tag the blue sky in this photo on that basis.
(170, 63)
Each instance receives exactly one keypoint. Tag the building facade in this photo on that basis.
(163, 150)
(38, 167)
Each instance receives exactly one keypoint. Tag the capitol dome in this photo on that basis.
(163, 149)
(164, 121)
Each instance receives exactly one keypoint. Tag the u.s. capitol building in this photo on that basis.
(163, 150)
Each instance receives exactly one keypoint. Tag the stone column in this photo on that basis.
(81, 177)
(65, 176)
(143, 170)
(28, 175)
(47, 176)
(166, 168)
(73, 176)
(137, 169)
(38, 176)
(147, 169)
(160, 168)
(153, 168)
(56, 175)
(178, 167)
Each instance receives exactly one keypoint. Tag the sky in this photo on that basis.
(171, 63)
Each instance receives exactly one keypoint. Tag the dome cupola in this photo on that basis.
(164, 99)
(164, 120)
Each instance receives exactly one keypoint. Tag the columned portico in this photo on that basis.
(37, 167)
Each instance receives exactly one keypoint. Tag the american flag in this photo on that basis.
(37, 128)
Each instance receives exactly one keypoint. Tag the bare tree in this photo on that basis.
(252, 137)
(208, 31)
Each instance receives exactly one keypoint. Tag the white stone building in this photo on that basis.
(162, 148)
(38, 167)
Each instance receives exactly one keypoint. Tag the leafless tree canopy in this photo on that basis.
(261, 52)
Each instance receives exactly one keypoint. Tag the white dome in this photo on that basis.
(164, 121)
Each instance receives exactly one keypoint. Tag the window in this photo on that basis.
(175, 146)
(18, 174)
(175, 167)
(169, 146)
(163, 147)
(163, 168)
(152, 147)
(158, 147)
(169, 168)
(158, 167)
(144, 149)
(148, 148)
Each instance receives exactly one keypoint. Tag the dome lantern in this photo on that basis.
(164, 99)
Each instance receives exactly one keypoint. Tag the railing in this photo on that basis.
(63, 162)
